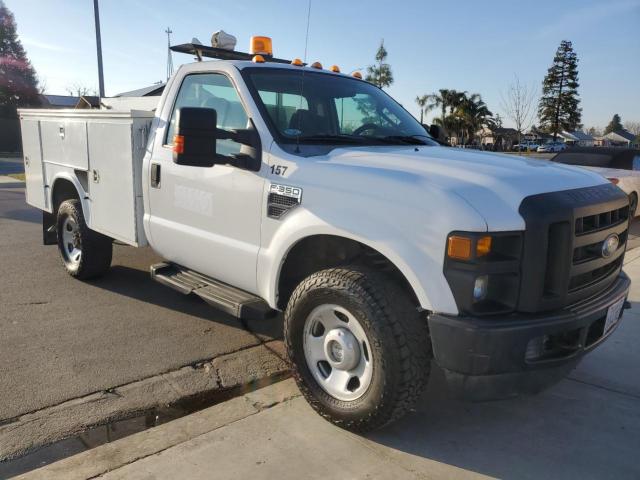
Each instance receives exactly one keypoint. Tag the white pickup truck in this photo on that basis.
(270, 186)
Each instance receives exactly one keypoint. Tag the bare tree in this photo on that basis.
(594, 131)
(518, 105)
(633, 127)
(79, 90)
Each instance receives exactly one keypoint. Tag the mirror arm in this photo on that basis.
(245, 136)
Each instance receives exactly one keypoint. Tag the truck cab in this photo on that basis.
(271, 186)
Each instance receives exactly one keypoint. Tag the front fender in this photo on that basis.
(417, 254)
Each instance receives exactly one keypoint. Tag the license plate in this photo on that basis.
(613, 315)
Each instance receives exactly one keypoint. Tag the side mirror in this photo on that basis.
(194, 143)
(435, 131)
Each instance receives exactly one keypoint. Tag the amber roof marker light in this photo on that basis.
(297, 62)
(260, 45)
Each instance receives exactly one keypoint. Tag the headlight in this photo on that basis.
(483, 271)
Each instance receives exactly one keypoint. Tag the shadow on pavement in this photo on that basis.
(137, 284)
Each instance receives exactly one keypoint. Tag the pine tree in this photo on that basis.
(18, 81)
(380, 73)
(559, 105)
(614, 125)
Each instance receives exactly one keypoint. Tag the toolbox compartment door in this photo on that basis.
(64, 142)
(111, 180)
(35, 184)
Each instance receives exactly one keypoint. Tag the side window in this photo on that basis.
(211, 90)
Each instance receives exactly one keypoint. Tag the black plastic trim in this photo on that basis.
(485, 357)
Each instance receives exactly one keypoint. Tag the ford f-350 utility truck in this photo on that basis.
(270, 186)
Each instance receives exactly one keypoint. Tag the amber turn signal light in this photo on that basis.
(483, 247)
(178, 144)
(459, 248)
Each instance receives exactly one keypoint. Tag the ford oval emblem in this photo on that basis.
(610, 245)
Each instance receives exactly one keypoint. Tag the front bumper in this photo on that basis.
(495, 357)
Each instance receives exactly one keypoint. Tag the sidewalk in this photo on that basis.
(585, 427)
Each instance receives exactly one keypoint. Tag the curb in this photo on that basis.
(125, 451)
(251, 366)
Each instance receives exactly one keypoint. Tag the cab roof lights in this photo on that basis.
(357, 75)
(204, 51)
(317, 65)
(261, 46)
(334, 69)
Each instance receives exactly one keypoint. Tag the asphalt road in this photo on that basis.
(11, 165)
(62, 338)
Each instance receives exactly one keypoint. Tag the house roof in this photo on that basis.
(620, 136)
(151, 91)
(576, 136)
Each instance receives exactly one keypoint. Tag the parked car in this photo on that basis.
(525, 146)
(552, 147)
(620, 165)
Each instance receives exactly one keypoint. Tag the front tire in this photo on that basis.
(85, 254)
(359, 348)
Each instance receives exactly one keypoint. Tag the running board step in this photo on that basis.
(229, 299)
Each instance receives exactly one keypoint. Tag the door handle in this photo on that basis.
(155, 175)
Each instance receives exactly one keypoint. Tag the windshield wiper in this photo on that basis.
(404, 139)
(332, 139)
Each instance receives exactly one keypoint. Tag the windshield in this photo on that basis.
(331, 109)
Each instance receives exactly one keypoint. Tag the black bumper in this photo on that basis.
(497, 357)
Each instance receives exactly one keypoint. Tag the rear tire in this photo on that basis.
(396, 344)
(85, 254)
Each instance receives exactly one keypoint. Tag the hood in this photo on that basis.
(493, 184)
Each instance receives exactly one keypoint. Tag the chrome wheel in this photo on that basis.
(71, 243)
(337, 352)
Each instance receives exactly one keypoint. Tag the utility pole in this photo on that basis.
(99, 48)
(168, 31)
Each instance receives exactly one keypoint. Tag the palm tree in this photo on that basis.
(473, 114)
(426, 104)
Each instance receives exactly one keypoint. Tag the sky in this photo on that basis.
(463, 45)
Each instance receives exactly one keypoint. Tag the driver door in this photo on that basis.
(207, 218)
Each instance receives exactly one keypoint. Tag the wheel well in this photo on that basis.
(319, 252)
(63, 190)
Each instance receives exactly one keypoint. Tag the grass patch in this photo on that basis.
(17, 176)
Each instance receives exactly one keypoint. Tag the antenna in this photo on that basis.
(168, 31)
(306, 44)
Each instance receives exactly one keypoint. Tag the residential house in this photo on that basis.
(577, 138)
(619, 138)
